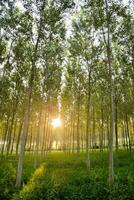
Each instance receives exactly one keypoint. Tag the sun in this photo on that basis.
(56, 122)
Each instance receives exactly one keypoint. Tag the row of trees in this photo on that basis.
(99, 79)
(87, 77)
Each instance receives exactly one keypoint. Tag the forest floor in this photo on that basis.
(66, 177)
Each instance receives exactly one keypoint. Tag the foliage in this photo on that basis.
(66, 177)
(7, 180)
(8, 174)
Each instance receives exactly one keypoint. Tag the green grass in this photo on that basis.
(66, 177)
(8, 168)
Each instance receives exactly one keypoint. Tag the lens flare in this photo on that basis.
(56, 122)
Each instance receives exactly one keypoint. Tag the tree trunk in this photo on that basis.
(13, 140)
(128, 134)
(88, 123)
(37, 140)
(18, 139)
(111, 87)
(116, 127)
(28, 104)
(78, 121)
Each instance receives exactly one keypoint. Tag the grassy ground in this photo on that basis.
(8, 167)
(65, 177)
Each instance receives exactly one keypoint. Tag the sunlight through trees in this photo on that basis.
(66, 80)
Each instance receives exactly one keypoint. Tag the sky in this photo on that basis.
(19, 4)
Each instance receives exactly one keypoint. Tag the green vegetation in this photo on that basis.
(65, 176)
(8, 168)
(67, 85)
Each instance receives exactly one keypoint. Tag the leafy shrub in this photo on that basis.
(7, 180)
